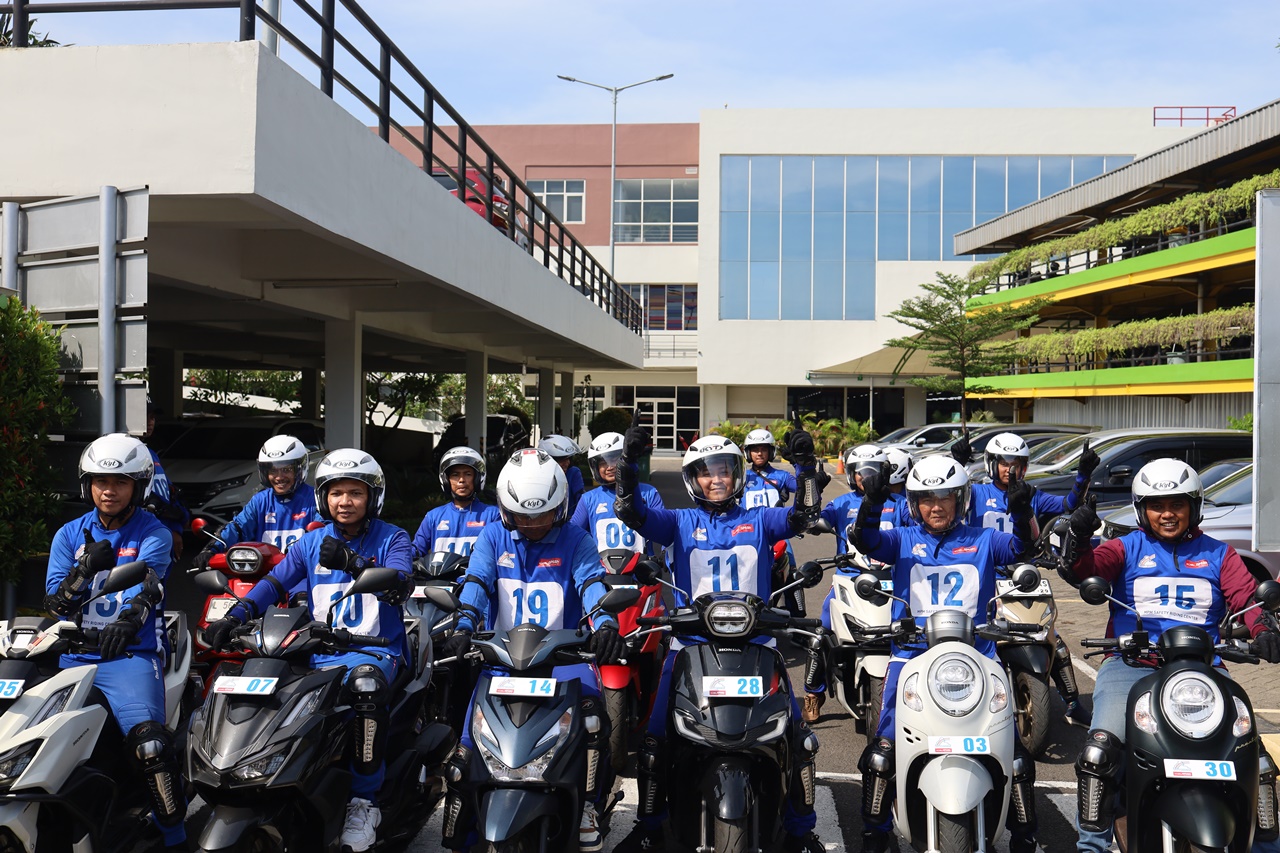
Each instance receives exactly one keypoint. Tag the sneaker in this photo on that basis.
(1020, 843)
(1077, 714)
(812, 707)
(641, 839)
(807, 843)
(875, 841)
(360, 830)
(589, 837)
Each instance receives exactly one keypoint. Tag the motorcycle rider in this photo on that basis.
(595, 511)
(563, 449)
(1007, 457)
(718, 532)
(457, 525)
(1211, 579)
(350, 490)
(764, 484)
(279, 514)
(116, 475)
(938, 494)
(535, 568)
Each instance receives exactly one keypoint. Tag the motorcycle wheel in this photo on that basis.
(1032, 696)
(730, 835)
(875, 701)
(955, 833)
(615, 704)
(258, 841)
(519, 844)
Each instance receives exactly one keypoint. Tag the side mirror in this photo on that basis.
(375, 580)
(441, 597)
(212, 583)
(619, 599)
(1026, 578)
(124, 576)
(1268, 595)
(821, 526)
(919, 442)
(647, 572)
(1094, 590)
(867, 586)
(811, 574)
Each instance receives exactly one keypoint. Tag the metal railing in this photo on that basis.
(670, 345)
(1198, 351)
(454, 152)
(1191, 116)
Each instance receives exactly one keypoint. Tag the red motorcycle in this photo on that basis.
(629, 688)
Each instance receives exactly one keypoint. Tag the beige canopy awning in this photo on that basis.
(889, 361)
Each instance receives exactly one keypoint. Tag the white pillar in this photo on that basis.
(715, 406)
(343, 383)
(566, 403)
(546, 402)
(477, 397)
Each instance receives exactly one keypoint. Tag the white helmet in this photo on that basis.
(605, 449)
(121, 455)
(350, 463)
(861, 458)
(938, 475)
(532, 483)
(282, 451)
(1009, 448)
(461, 456)
(899, 465)
(760, 438)
(558, 447)
(700, 455)
(1166, 478)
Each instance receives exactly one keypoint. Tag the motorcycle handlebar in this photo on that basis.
(346, 638)
(1108, 643)
(651, 621)
(805, 623)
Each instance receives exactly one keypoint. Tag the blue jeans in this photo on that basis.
(1110, 701)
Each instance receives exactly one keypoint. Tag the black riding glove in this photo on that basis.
(120, 634)
(634, 443)
(458, 644)
(875, 487)
(961, 451)
(824, 479)
(1019, 498)
(800, 448)
(1088, 461)
(335, 555)
(608, 645)
(97, 556)
(1267, 645)
(202, 560)
(218, 634)
(1084, 520)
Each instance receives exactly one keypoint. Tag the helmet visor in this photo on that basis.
(605, 462)
(715, 478)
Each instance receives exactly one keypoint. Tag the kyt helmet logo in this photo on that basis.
(343, 464)
(275, 454)
(933, 481)
(109, 463)
(533, 503)
(1165, 486)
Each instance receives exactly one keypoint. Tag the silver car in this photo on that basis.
(1228, 516)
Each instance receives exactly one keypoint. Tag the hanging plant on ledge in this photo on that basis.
(1165, 332)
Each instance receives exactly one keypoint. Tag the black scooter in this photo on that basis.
(1191, 746)
(735, 747)
(267, 749)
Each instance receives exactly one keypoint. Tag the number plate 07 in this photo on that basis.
(245, 685)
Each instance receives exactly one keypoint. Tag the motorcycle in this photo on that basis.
(64, 779)
(1191, 766)
(955, 729)
(628, 689)
(524, 779)
(266, 751)
(436, 581)
(856, 666)
(731, 712)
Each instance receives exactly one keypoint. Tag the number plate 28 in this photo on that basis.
(730, 687)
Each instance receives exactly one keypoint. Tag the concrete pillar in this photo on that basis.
(164, 368)
(477, 397)
(309, 393)
(916, 411)
(343, 383)
(715, 406)
(566, 404)
(546, 402)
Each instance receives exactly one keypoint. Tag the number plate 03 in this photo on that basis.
(731, 687)
(953, 745)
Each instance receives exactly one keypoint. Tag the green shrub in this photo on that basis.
(613, 419)
(1245, 423)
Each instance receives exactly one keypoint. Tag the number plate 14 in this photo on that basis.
(507, 686)
(729, 687)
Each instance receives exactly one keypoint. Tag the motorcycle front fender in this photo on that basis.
(727, 783)
(615, 677)
(506, 812)
(1198, 814)
(955, 784)
(228, 824)
(1034, 658)
(876, 666)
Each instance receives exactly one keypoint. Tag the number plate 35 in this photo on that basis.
(729, 687)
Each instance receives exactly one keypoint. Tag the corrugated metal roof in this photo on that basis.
(1251, 128)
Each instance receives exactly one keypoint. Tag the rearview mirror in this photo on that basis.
(1268, 594)
(1026, 578)
(867, 586)
(647, 572)
(211, 582)
(124, 576)
(198, 524)
(441, 597)
(1094, 590)
(821, 526)
(375, 580)
(811, 574)
(619, 599)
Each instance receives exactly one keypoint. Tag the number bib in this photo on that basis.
(101, 613)
(724, 570)
(998, 521)
(760, 497)
(359, 614)
(455, 544)
(282, 539)
(935, 588)
(520, 602)
(612, 533)
(1178, 599)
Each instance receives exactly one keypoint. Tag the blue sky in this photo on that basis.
(497, 60)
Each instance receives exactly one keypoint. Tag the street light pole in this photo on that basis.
(613, 147)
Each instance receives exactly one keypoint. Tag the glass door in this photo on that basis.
(659, 415)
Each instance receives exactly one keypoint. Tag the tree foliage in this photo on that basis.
(964, 344)
(1163, 332)
(390, 396)
(831, 436)
(31, 403)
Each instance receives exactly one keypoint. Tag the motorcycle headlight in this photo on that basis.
(244, 561)
(775, 726)
(999, 695)
(911, 692)
(52, 706)
(729, 619)
(15, 761)
(260, 768)
(686, 726)
(1244, 720)
(1193, 704)
(954, 685)
(532, 771)
(1142, 714)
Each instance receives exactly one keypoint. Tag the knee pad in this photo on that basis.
(803, 786)
(369, 694)
(877, 768)
(1268, 827)
(1022, 804)
(1097, 777)
(650, 775)
(150, 749)
(1064, 671)
(596, 721)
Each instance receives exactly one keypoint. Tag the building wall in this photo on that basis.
(1208, 411)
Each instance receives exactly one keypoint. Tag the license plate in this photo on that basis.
(1004, 587)
(419, 592)
(10, 688)
(886, 586)
(218, 608)
(727, 687)
(1187, 768)
(508, 686)
(951, 745)
(245, 685)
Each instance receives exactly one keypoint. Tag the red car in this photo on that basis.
(477, 196)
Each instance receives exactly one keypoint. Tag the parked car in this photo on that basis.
(1122, 452)
(978, 438)
(932, 435)
(477, 196)
(1228, 516)
(505, 433)
(213, 464)
(978, 467)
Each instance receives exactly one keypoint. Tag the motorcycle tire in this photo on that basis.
(875, 701)
(258, 841)
(616, 706)
(522, 843)
(731, 835)
(1032, 697)
(955, 833)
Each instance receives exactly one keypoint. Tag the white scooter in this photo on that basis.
(955, 731)
(64, 780)
(856, 665)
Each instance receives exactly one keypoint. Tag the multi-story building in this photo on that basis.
(768, 246)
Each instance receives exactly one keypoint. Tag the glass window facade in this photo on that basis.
(667, 307)
(567, 200)
(800, 236)
(656, 210)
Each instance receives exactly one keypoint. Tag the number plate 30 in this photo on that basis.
(1188, 768)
